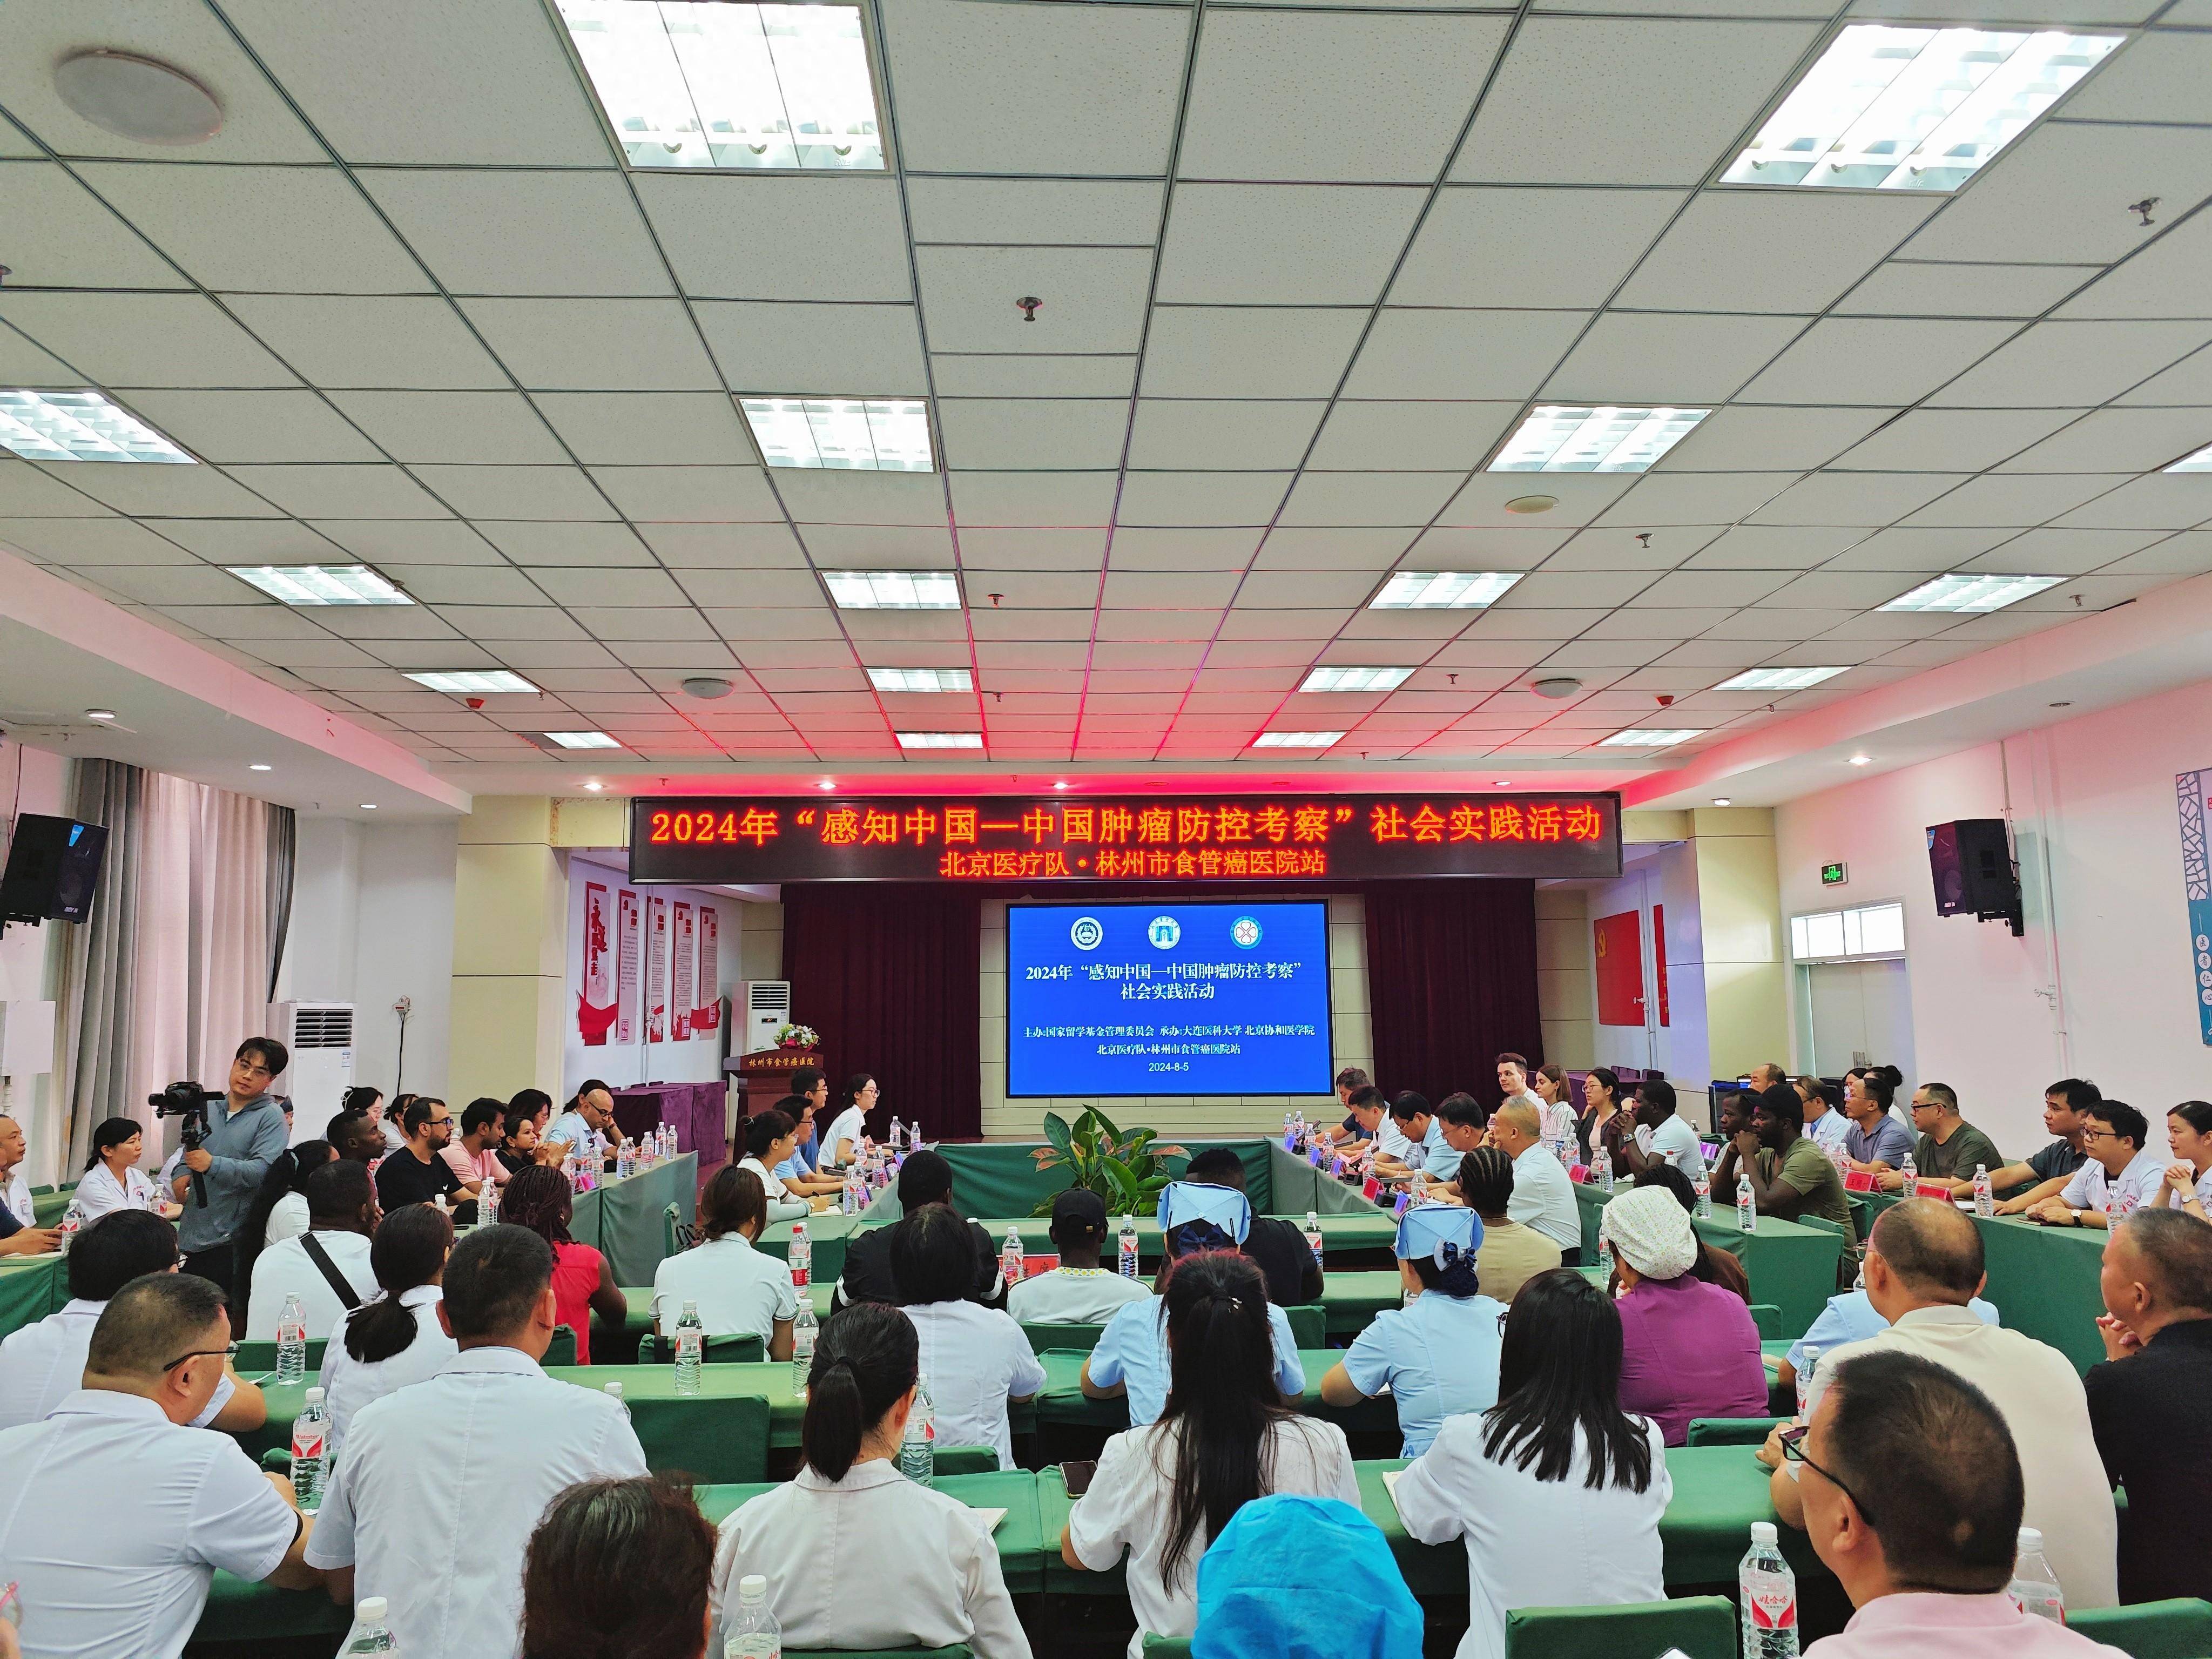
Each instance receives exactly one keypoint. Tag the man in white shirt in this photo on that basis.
(1412, 1139)
(1079, 1292)
(15, 1189)
(114, 1514)
(443, 1482)
(42, 1364)
(1543, 1198)
(1824, 1119)
(589, 1121)
(342, 1216)
(1662, 1135)
(2122, 1174)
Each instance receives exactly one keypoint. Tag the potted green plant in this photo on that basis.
(1127, 1171)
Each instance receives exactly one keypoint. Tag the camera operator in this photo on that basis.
(243, 1137)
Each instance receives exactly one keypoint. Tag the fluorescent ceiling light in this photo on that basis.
(921, 679)
(1638, 737)
(1296, 739)
(867, 435)
(940, 739)
(706, 83)
(1890, 108)
(1441, 590)
(894, 590)
(1356, 679)
(582, 740)
(1779, 680)
(320, 583)
(2200, 462)
(80, 426)
(1962, 592)
(1594, 438)
(473, 682)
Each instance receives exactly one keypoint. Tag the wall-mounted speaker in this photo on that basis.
(1971, 861)
(53, 869)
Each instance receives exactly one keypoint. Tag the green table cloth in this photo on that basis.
(1296, 1186)
(1791, 1266)
(1344, 1237)
(31, 1287)
(623, 1220)
(1352, 1297)
(1001, 1177)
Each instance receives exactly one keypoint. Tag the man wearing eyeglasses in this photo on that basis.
(114, 1514)
(2121, 1176)
(245, 1136)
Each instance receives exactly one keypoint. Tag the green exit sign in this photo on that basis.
(1833, 875)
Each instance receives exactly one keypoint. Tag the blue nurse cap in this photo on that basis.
(1185, 1201)
(1442, 1232)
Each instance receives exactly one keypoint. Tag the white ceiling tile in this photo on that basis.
(1136, 548)
(2122, 440)
(339, 492)
(1773, 547)
(1283, 590)
(1871, 499)
(1081, 548)
(342, 340)
(852, 350)
(1221, 351)
(689, 493)
(253, 426)
(679, 429)
(1406, 499)
(401, 541)
(1905, 287)
(823, 496)
(445, 425)
(541, 542)
(1836, 591)
(2090, 13)
(1199, 498)
(81, 244)
(1462, 354)
(504, 231)
(1954, 439)
(517, 492)
(186, 491)
(1045, 89)
(2187, 384)
(1581, 496)
(1863, 360)
(144, 339)
(1284, 244)
(639, 623)
(1411, 436)
(1594, 100)
(1771, 250)
(95, 541)
(22, 363)
(1018, 433)
(1672, 358)
(2164, 500)
(596, 345)
(2157, 77)
(1686, 498)
(722, 546)
(2163, 280)
(780, 236)
(1077, 212)
(2189, 554)
(631, 587)
(2055, 197)
(2073, 363)
(2017, 498)
(2061, 552)
(1216, 434)
(1013, 499)
(1549, 591)
(1473, 248)
(1094, 298)
(466, 584)
(1349, 97)
(984, 374)
(1366, 548)
(1610, 549)
(1918, 549)
(28, 492)
(1754, 438)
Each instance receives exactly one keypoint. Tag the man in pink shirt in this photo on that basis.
(1913, 1495)
(475, 1156)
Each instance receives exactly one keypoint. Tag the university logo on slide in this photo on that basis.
(1165, 932)
(1245, 930)
(1086, 934)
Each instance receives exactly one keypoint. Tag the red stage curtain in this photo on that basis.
(1451, 976)
(890, 974)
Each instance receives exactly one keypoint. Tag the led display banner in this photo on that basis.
(1152, 838)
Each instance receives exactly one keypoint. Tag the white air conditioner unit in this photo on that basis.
(760, 1006)
(320, 1036)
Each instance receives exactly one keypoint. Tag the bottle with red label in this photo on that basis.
(1768, 1592)
(801, 1261)
(310, 1432)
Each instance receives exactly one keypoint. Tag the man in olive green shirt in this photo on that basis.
(1803, 1182)
(1949, 1147)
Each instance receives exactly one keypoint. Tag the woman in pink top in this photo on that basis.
(583, 1284)
(1690, 1349)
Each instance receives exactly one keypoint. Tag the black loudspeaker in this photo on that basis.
(53, 868)
(1971, 860)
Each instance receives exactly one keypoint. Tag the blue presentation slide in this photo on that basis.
(1162, 998)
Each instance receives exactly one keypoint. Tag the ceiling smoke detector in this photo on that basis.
(707, 686)
(1526, 504)
(1556, 688)
(137, 98)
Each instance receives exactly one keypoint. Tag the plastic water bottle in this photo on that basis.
(1010, 1258)
(1605, 1257)
(487, 1203)
(370, 1633)
(752, 1631)
(2034, 1587)
(291, 1340)
(1604, 1166)
(613, 1391)
(1747, 1208)
(1127, 1247)
(72, 1224)
(1768, 1592)
(690, 1349)
(624, 1167)
(898, 1136)
(1912, 1174)
(1703, 1185)
(1313, 1235)
(1985, 1194)
(804, 1328)
(800, 1259)
(918, 1449)
(1289, 1131)
(1805, 1381)
(311, 1435)
(914, 1133)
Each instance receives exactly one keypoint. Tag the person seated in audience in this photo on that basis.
(769, 1139)
(1876, 1143)
(20, 1235)
(1511, 1252)
(2146, 1401)
(354, 1137)
(1690, 1347)
(1825, 1121)
(1463, 1124)
(796, 1174)
(1254, 1600)
(115, 1511)
(442, 1484)
(1438, 1355)
(1349, 1082)
(1513, 1083)
(1662, 1136)
(474, 1158)
(542, 1201)
(418, 1173)
(535, 1108)
(367, 1101)
(1079, 1292)
(2066, 1107)
(518, 1142)
(280, 1208)
(112, 1180)
(1950, 1148)
(330, 1256)
(2121, 1173)
(977, 1360)
(1549, 1085)
(914, 1567)
(1923, 1266)
(1765, 1076)
(1739, 1144)
(1543, 1198)
(1412, 1139)
(1294, 1278)
(2189, 1177)
(588, 1128)
(1132, 1356)
(1848, 1318)
(840, 1142)
(1791, 1177)
(924, 1179)
(1913, 1497)
(738, 1291)
(1225, 1434)
(619, 1569)
(1368, 1112)
(42, 1364)
(809, 1084)
(394, 1338)
(1603, 1124)
(1714, 1267)
(1558, 1489)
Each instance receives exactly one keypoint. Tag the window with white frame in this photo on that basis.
(1871, 930)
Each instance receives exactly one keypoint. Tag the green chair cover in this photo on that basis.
(259, 1358)
(1702, 1626)
(1732, 1431)
(1080, 1339)
(1309, 1325)
(562, 1350)
(965, 1460)
(957, 1650)
(745, 1350)
(1768, 1318)
(1166, 1647)
(2180, 1629)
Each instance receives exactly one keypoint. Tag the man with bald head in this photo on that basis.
(1543, 1197)
(1923, 1265)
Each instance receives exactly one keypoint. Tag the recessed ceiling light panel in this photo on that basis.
(473, 682)
(921, 679)
(847, 434)
(581, 740)
(320, 583)
(1964, 591)
(2200, 462)
(940, 739)
(1356, 679)
(893, 590)
(79, 426)
(1296, 739)
(1639, 736)
(1892, 108)
(1779, 680)
(1594, 438)
(1442, 590)
(709, 83)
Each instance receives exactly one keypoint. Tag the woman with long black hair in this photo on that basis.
(849, 1123)
(1557, 1491)
(396, 1339)
(923, 1571)
(1225, 1436)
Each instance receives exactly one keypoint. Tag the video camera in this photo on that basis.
(188, 1103)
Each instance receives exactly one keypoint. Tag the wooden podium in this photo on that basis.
(765, 1077)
